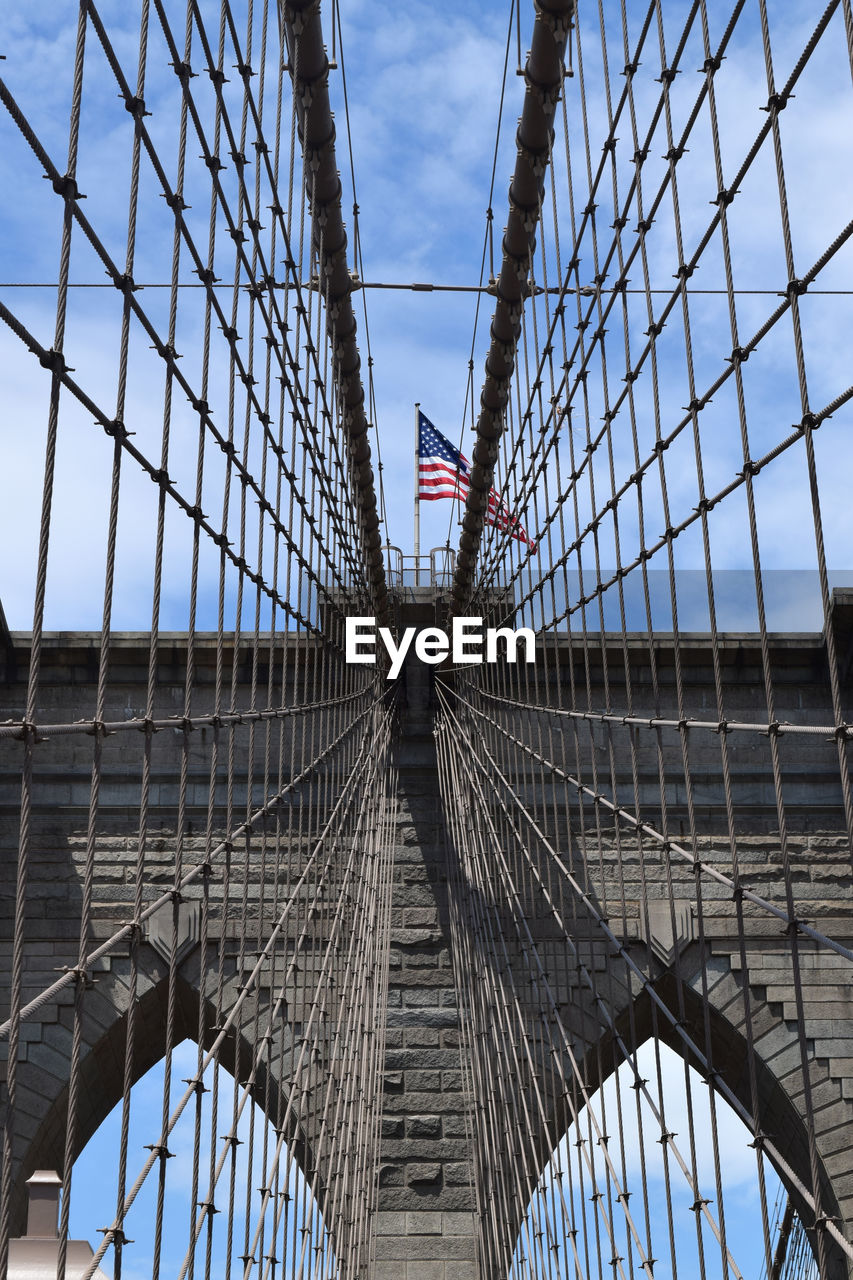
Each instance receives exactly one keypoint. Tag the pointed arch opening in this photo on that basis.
(226, 1198)
(659, 1176)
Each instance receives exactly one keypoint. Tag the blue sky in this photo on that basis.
(95, 1172)
(427, 165)
(423, 190)
(424, 86)
(94, 1178)
(737, 1188)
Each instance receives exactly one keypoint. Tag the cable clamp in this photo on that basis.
(778, 102)
(66, 186)
(197, 1084)
(547, 95)
(559, 25)
(184, 72)
(124, 282)
(80, 975)
(166, 351)
(55, 361)
(175, 202)
(116, 1235)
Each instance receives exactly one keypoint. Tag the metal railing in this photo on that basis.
(434, 569)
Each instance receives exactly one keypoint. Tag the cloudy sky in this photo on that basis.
(95, 1171)
(428, 164)
(424, 86)
(737, 1189)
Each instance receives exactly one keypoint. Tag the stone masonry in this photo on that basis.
(425, 1226)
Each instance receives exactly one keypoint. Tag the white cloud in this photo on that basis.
(94, 1180)
(615, 1111)
(423, 92)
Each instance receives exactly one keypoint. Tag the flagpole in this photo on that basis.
(417, 498)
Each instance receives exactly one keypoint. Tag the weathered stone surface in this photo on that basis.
(425, 1166)
(424, 1127)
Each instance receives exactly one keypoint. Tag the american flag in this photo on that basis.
(444, 472)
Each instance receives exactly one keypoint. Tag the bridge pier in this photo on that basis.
(426, 1225)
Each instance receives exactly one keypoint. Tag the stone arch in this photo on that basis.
(44, 1062)
(779, 1080)
(778, 1068)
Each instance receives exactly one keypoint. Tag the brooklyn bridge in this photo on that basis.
(524, 961)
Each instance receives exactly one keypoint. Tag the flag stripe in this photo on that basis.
(444, 472)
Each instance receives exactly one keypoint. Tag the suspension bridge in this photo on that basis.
(491, 969)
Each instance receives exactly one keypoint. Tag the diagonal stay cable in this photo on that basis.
(373, 760)
(189, 877)
(345, 801)
(620, 949)
(667, 844)
(530, 949)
